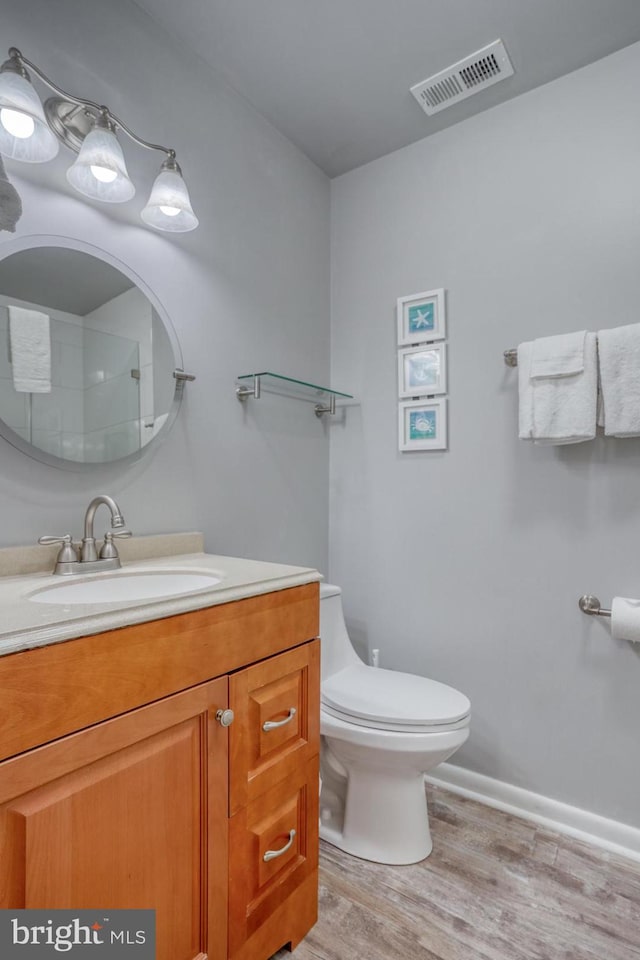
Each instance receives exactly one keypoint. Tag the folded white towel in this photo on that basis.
(30, 339)
(525, 392)
(558, 410)
(559, 356)
(625, 619)
(619, 351)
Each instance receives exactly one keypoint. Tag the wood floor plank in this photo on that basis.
(495, 888)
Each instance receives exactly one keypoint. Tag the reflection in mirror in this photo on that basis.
(91, 381)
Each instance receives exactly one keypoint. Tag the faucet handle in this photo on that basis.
(109, 551)
(67, 552)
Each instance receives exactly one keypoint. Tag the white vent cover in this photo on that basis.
(482, 69)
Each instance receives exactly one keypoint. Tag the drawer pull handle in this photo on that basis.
(274, 724)
(272, 854)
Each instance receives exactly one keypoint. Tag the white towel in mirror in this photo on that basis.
(30, 339)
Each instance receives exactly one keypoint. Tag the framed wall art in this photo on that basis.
(421, 318)
(423, 425)
(422, 371)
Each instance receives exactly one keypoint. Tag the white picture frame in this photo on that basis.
(422, 425)
(422, 370)
(421, 318)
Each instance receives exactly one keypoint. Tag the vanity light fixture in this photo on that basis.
(31, 132)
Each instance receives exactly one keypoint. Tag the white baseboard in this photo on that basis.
(610, 834)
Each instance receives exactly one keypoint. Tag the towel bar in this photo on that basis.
(591, 605)
(511, 357)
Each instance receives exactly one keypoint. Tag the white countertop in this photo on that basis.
(25, 624)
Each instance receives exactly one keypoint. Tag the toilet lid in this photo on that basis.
(387, 696)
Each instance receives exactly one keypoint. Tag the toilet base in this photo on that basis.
(373, 803)
(385, 821)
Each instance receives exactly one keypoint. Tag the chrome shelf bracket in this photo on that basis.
(322, 408)
(243, 392)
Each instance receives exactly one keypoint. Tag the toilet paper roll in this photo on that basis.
(625, 619)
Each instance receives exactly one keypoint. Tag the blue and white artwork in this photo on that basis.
(423, 369)
(421, 318)
(422, 424)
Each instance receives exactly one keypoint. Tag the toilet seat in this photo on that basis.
(390, 700)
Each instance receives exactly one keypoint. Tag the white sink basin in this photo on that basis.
(119, 588)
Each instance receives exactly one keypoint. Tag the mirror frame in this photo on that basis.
(30, 241)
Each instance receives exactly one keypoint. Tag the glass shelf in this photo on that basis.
(253, 383)
(289, 387)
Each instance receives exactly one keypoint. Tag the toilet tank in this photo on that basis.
(336, 650)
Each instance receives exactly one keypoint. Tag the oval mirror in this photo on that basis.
(87, 357)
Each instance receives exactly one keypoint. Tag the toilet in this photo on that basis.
(381, 731)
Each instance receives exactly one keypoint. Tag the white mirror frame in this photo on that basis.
(31, 241)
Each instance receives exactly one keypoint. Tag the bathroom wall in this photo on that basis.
(467, 566)
(248, 290)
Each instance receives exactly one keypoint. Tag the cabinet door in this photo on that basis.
(130, 812)
(277, 721)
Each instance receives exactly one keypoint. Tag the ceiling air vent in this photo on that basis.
(463, 79)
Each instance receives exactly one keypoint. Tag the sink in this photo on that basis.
(127, 587)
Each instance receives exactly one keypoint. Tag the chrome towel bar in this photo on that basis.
(591, 605)
(511, 357)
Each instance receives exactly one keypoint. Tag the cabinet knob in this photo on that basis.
(224, 717)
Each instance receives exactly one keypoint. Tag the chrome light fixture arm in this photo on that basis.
(31, 132)
(19, 63)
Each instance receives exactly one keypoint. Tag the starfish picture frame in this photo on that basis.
(421, 318)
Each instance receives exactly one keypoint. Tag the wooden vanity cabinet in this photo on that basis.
(111, 803)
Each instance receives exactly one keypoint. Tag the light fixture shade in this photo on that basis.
(169, 207)
(101, 153)
(21, 112)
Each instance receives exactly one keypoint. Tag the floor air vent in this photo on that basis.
(463, 79)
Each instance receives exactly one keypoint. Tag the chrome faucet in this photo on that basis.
(88, 552)
(67, 561)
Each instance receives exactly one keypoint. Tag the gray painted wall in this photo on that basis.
(248, 290)
(466, 566)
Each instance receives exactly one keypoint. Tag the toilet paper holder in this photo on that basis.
(591, 605)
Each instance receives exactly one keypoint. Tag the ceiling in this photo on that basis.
(61, 279)
(334, 75)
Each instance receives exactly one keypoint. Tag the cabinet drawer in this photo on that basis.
(277, 725)
(273, 848)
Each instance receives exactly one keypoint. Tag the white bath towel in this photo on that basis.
(559, 356)
(619, 351)
(525, 392)
(558, 410)
(30, 340)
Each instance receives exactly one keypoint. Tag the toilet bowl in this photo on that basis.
(381, 732)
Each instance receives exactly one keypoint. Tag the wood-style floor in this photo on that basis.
(494, 888)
